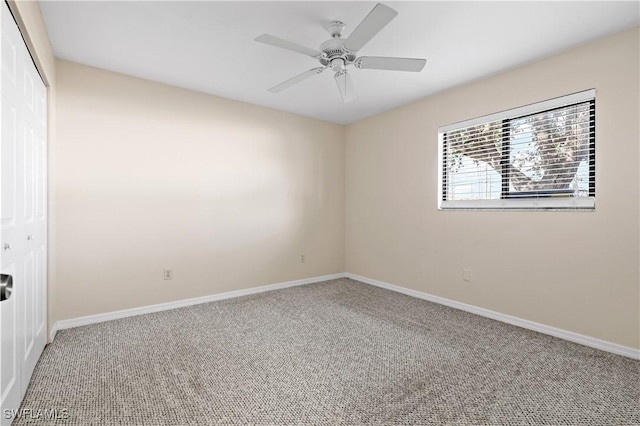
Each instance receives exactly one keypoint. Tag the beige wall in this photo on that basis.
(577, 271)
(29, 18)
(227, 194)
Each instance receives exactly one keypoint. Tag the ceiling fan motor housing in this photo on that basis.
(334, 48)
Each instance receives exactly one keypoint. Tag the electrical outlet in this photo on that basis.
(466, 274)
(303, 258)
(168, 274)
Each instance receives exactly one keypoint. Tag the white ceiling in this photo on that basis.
(209, 47)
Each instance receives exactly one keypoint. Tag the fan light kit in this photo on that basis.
(338, 53)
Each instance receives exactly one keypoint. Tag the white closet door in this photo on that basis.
(11, 221)
(34, 219)
(23, 231)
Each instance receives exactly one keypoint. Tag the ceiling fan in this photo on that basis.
(338, 53)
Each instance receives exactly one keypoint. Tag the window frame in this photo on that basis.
(545, 202)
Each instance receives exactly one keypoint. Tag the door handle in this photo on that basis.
(6, 286)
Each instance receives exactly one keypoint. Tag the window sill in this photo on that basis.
(531, 204)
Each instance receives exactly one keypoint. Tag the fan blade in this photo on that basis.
(289, 45)
(297, 79)
(391, 64)
(345, 86)
(376, 20)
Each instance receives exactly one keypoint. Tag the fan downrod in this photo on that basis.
(334, 47)
(335, 28)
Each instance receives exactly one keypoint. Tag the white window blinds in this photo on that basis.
(537, 156)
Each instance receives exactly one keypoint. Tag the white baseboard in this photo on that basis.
(52, 333)
(109, 316)
(509, 319)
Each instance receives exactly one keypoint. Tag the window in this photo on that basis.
(539, 156)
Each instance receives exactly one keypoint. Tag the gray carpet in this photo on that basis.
(333, 353)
